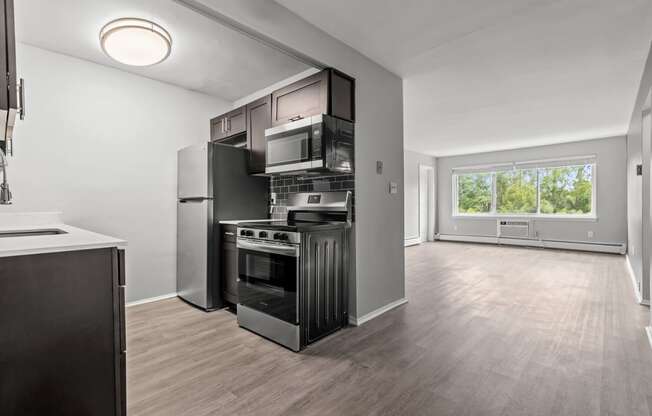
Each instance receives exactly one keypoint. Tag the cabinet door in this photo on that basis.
(236, 121)
(259, 118)
(230, 271)
(58, 343)
(342, 95)
(218, 128)
(11, 55)
(4, 97)
(304, 98)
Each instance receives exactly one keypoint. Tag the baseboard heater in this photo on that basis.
(615, 248)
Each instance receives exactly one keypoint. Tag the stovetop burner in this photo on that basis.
(289, 225)
(306, 212)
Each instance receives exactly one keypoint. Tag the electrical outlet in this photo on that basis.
(272, 198)
(393, 188)
(590, 234)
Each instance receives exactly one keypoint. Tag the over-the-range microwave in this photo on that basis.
(314, 145)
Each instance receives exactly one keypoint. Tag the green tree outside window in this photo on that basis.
(565, 190)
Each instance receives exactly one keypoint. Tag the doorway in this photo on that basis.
(427, 216)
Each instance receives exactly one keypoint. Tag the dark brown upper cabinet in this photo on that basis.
(9, 102)
(228, 125)
(259, 118)
(326, 92)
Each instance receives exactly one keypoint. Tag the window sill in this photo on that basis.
(588, 218)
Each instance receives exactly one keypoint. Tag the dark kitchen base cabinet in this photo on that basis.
(229, 269)
(62, 334)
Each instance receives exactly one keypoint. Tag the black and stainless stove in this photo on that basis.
(293, 274)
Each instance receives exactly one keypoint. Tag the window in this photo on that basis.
(530, 189)
(567, 190)
(474, 192)
(516, 192)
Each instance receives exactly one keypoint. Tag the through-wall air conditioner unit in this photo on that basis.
(513, 228)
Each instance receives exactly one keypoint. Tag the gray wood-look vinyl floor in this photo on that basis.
(487, 331)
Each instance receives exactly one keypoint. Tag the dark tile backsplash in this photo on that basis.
(284, 186)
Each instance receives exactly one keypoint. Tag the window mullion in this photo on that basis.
(493, 193)
(538, 192)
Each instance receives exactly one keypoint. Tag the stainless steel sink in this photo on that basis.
(31, 233)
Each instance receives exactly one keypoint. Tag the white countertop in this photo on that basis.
(236, 222)
(74, 239)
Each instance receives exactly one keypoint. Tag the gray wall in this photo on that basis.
(380, 274)
(412, 161)
(611, 208)
(637, 190)
(100, 145)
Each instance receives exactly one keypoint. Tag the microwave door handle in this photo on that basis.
(269, 248)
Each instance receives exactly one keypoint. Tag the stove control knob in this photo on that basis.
(262, 234)
(243, 232)
(250, 233)
(277, 236)
(283, 237)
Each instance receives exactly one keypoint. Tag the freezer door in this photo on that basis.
(192, 251)
(193, 176)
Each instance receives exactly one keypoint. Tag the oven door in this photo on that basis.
(268, 277)
(289, 147)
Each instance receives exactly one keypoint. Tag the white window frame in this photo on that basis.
(494, 169)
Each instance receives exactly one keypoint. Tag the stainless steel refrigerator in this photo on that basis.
(213, 185)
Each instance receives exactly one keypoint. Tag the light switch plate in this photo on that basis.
(393, 188)
(379, 167)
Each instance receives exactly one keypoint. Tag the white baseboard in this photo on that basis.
(412, 241)
(565, 245)
(150, 300)
(648, 331)
(632, 276)
(357, 321)
(467, 238)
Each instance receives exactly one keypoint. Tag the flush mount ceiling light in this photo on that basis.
(135, 42)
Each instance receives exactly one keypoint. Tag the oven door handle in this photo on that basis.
(289, 251)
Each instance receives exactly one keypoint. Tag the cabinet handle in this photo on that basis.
(228, 124)
(223, 125)
(228, 233)
(296, 118)
(21, 97)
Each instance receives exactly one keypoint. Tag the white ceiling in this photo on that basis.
(487, 75)
(206, 56)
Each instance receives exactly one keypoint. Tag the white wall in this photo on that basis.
(638, 188)
(611, 194)
(100, 145)
(380, 274)
(412, 161)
